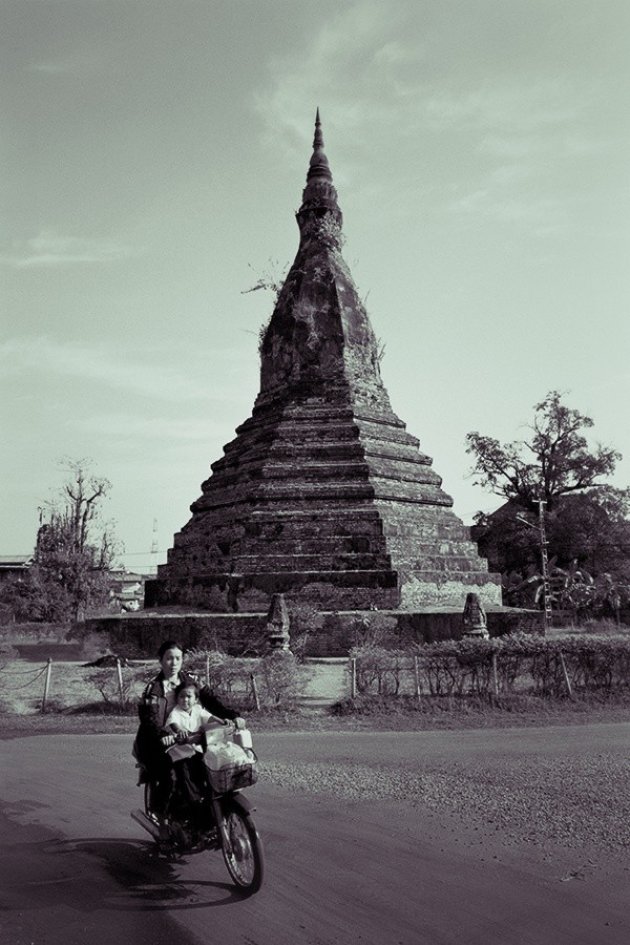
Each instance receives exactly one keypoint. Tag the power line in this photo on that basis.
(151, 551)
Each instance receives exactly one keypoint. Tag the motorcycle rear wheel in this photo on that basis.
(244, 858)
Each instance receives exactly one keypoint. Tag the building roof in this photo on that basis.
(15, 561)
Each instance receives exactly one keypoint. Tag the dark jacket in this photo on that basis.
(153, 710)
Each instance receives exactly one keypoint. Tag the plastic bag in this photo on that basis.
(230, 767)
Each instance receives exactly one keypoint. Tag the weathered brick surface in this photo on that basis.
(323, 494)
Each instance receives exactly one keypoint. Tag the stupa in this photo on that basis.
(322, 495)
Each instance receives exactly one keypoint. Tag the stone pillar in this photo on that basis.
(278, 625)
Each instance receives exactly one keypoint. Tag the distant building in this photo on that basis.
(126, 589)
(14, 565)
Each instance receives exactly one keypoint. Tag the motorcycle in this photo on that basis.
(222, 820)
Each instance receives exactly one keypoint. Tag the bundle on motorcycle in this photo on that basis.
(230, 765)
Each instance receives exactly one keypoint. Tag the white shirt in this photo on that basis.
(188, 720)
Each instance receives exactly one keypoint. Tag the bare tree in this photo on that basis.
(75, 548)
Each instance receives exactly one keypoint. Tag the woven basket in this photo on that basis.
(232, 777)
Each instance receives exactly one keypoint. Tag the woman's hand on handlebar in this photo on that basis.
(235, 724)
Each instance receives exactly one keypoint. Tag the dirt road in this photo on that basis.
(345, 865)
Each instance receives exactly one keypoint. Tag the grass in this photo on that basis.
(375, 714)
(75, 705)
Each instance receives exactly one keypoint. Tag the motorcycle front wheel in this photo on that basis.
(244, 854)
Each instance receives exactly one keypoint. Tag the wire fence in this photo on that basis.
(62, 685)
(33, 675)
(490, 669)
(117, 684)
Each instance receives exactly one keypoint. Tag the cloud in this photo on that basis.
(53, 67)
(89, 60)
(395, 51)
(165, 429)
(51, 249)
(348, 46)
(383, 67)
(516, 106)
(116, 369)
(544, 216)
(423, 100)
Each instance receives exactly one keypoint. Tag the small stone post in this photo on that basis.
(495, 676)
(47, 683)
(121, 687)
(416, 676)
(278, 624)
(474, 618)
(255, 694)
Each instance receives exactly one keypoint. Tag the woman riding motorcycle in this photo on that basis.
(156, 703)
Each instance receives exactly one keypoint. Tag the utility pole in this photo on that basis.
(548, 615)
(545, 564)
(154, 547)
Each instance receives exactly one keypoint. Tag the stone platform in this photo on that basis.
(332, 633)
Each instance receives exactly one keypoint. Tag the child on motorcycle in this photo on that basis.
(185, 723)
(185, 726)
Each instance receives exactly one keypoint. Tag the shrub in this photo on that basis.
(303, 619)
(107, 682)
(487, 668)
(274, 680)
(377, 667)
(281, 678)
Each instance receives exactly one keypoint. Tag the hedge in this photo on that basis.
(500, 666)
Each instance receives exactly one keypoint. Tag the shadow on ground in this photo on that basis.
(99, 890)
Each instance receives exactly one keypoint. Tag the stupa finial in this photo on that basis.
(319, 193)
(318, 166)
(318, 140)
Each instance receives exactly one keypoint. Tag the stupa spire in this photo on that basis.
(319, 192)
(318, 166)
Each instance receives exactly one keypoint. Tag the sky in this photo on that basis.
(153, 155)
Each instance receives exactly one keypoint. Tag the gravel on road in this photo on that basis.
(572, 798)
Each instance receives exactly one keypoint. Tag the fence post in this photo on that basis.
(255, 692)
(47, 683)
(121, 687)
(567, 681)
(416, 673)
(353, 677)
(495, 675)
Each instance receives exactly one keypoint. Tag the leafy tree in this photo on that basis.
(594, 530)
(554, 461)
(587, 522)
(73, 553)
(590, 531)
